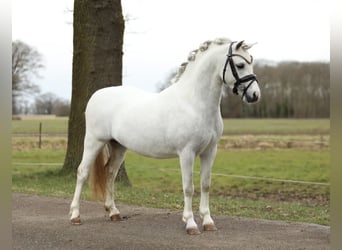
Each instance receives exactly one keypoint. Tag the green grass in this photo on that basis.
(291, 149)
(276, 126)
(231, 126)
(157, 183)
(219, 205)
(50, 126)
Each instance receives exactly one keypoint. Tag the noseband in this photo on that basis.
(238, 80)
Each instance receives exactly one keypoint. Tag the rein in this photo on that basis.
(238, 80)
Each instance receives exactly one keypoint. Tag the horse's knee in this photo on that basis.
(205, 188)
(189, 191)
(82, 174)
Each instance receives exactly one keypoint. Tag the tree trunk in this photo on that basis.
(97, 63)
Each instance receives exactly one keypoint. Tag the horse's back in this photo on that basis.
(116, 94)
(110, 99)
(107, 104)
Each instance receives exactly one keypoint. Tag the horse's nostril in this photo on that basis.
(255, 96)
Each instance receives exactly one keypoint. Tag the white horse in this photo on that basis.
(182, 121)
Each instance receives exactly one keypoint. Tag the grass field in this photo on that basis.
(276, 126)
(49, 126)
(231, 126)
(157, 183)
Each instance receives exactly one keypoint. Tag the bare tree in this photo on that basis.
(97, 63)
(26, 63)
(45, 103)
(62, 107)
(50, 103)
(288, 90)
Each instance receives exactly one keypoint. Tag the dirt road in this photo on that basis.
(42, 223)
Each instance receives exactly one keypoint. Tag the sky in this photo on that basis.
(159, 34)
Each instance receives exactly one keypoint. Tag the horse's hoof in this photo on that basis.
(115, 217)
(76, 221)
(209, 227)
(193, 231)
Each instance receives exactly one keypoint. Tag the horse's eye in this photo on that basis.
(240, 65)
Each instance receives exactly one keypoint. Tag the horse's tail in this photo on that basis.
(99, 174)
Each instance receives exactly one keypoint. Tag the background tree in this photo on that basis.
(50, 103)
(61, 107)
(292, 90)
(26, 62)
(45, 103)
(97, 63)
(288, 90)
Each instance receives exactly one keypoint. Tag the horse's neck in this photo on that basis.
(201, 83)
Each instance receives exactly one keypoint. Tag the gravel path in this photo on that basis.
(40, 222)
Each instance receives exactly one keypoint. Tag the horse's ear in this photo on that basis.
(247, 46)
(238, 45)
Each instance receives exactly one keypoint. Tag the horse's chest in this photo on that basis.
(206, 137)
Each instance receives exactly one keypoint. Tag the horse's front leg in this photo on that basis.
(187, 163)
(207, 160)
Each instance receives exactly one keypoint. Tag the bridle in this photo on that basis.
(238, 80)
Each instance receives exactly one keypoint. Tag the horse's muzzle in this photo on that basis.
(253, 98)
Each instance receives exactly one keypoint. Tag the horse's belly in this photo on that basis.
(155, 154)
(150, 146)
(159, 140)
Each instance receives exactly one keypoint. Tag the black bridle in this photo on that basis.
(238, 80)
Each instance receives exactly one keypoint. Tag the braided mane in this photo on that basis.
(192, 55)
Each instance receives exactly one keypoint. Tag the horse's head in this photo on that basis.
(238, 72)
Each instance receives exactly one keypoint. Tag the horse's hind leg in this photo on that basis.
(117, 155)
(91, 149)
